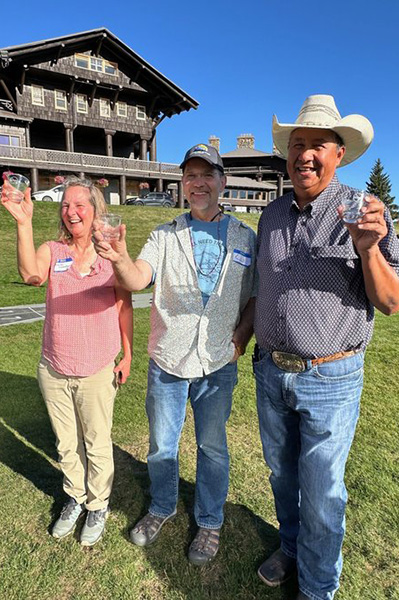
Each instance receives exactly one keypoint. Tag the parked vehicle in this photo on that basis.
(152, 199)
(53, 195)
(227, 207)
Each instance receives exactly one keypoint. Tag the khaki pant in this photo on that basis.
(80, 410)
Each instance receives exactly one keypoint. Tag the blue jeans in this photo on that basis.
(211, 399)
(307, 422)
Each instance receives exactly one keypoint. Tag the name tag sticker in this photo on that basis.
(63, 264)
(242, 257)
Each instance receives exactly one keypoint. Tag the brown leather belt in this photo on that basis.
(296, 364)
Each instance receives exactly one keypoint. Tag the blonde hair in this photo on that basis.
(96, 200)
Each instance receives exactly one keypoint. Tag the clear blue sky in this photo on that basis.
(244, 61)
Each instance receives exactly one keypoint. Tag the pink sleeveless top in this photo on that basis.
(81, 332)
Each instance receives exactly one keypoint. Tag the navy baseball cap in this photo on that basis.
(207, 153)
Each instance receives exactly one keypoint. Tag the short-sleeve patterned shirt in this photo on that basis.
(312, 299)
(188, 339)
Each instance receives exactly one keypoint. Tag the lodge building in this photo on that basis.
(86, 103)
(254, 178)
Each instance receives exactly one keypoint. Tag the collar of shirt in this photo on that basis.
(322, 201)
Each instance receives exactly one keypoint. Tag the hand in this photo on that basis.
(122, 370)
(371, 228)
(239, 350)
(113, 251)
(236, 356)
(21, 211)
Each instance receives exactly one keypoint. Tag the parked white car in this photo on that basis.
(53, 195)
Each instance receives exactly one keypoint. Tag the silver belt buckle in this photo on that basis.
(288, 362)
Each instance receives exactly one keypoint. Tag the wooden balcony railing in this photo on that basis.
(61, 160)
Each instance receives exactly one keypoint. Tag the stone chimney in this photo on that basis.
(215, 142)
(246, 140)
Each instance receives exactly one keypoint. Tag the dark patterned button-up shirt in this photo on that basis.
(312, 300)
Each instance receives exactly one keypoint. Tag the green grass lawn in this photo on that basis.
(139, 221)
(34, 566)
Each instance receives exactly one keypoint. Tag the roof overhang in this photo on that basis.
(171, 98)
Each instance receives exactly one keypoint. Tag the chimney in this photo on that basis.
(215, 142)
(246, 140)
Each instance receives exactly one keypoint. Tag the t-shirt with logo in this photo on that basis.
(209, 243)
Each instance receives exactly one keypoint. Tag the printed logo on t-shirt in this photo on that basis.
(63, 264)
(241, 257)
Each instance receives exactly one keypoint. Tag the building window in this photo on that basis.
(37, 95)
(95, 63)
(60, 100)
(105, 108)
(10, 140)
(272, 196)
(82, 61)
(110, 68)
(243, 194)
(140, 112)
(121, 109)
(226, 194)
(234, 194)
(81, 104)
(250, 195)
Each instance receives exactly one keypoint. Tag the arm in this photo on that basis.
(381, 281)
(132, 275)
(125, 312)
(244, 329)
(33, 266)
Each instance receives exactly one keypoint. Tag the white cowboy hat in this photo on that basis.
(319, 112)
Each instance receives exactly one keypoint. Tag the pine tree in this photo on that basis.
(380, 186)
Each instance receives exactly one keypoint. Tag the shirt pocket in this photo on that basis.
(345, 254)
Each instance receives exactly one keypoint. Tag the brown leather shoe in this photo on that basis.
(204, 546)
(277, 569)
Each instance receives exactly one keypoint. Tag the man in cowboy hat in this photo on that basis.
(203, 266)
(320, 279)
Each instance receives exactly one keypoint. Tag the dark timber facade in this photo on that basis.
(254, 177)
(86, 103)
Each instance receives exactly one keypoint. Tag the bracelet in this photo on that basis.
(240, 348)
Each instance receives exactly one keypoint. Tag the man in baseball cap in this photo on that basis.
(320, 279)
(203, 266)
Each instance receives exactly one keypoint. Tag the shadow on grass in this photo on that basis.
(246, 541)
(27, 448)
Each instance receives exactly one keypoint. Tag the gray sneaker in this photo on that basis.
(148, 529)
(66, 522)
(94, 526)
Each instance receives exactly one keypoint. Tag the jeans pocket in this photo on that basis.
(258, 357)
(344, 368)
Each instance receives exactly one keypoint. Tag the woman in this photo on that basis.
(87, 317)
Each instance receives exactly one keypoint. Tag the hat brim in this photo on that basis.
(355, 131)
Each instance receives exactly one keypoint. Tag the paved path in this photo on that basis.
(11, 315)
